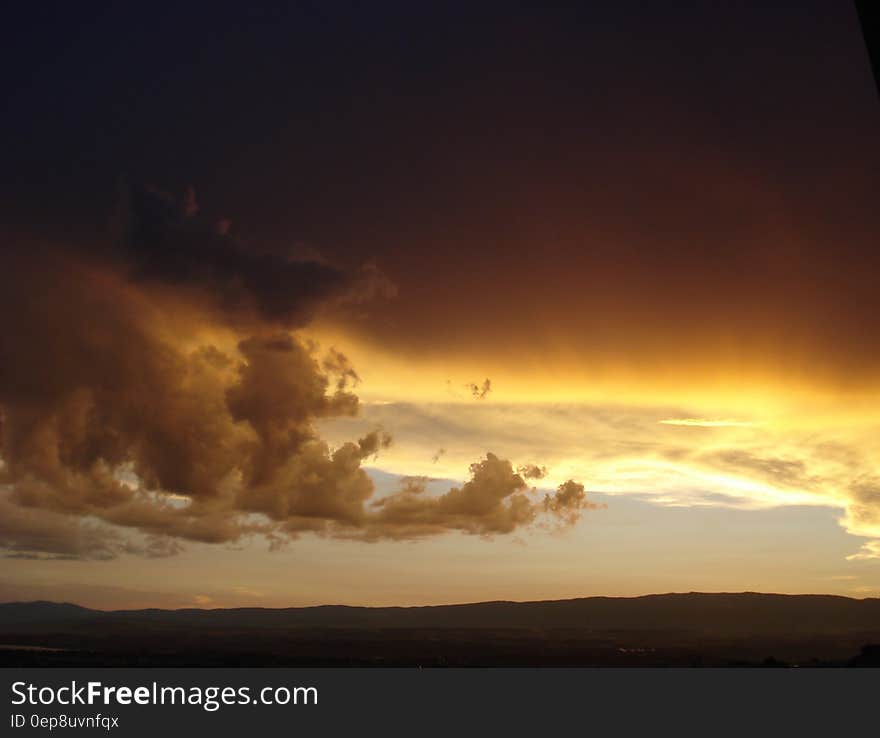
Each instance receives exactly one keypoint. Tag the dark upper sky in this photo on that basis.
(508, 164)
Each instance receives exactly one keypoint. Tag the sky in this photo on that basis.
(400, 303)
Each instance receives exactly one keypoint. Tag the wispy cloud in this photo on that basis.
(708, 422)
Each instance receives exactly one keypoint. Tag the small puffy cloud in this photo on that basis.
(336, 364)
(532, 471)
(495, 500)
(568, 501)
(479, 391)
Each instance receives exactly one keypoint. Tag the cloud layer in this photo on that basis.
(160, 389)
(754, 461)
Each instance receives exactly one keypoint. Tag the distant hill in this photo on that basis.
(694, 629)
(710, 614)
(42, 611)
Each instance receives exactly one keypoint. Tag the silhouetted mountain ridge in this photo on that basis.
(745, 613)
(43, 611)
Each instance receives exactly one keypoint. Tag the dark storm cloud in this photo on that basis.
(166, 241)
(119, 412)
(657, 188)
(99, 389)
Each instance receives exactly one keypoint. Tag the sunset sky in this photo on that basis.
(407, 303)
